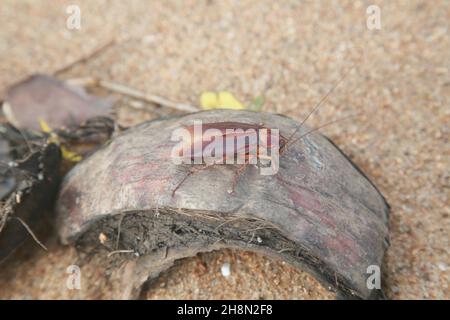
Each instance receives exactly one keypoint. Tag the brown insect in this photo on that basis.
(232, 131)
(250, 151)
(238, 153)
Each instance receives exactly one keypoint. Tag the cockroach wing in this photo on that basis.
(318, 211)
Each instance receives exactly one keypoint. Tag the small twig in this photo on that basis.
(286, 250)
(151, 98)
(119, 251)
(85, 58)
(4, 216)
(133, 93)
(251, 239)
(139, 105)
(217, 241)
(226, 222)
(118, 231)
(262, 226)
(31, 233)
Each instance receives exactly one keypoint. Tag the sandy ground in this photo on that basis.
(292, 52)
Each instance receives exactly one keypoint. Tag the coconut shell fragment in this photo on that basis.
(29, 178)
(43, 97)
(319, 212)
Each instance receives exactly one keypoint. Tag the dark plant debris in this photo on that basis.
(29, 179)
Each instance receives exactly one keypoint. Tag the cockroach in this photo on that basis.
(226, 154)
(247, 153)
(228, 132)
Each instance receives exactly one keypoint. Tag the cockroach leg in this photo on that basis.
(191, 172)
(236, 175)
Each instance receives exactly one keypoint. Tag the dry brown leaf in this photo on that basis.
(43, 97)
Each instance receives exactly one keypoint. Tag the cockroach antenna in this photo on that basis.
(316, 107)
(327, 124)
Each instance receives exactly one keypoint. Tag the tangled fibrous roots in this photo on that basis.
(29, 177)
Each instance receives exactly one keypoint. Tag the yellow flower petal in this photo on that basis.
(209, 100)
(70, 155)
(52, 137)
(44, 126)
(228, 101)
(66, 153)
